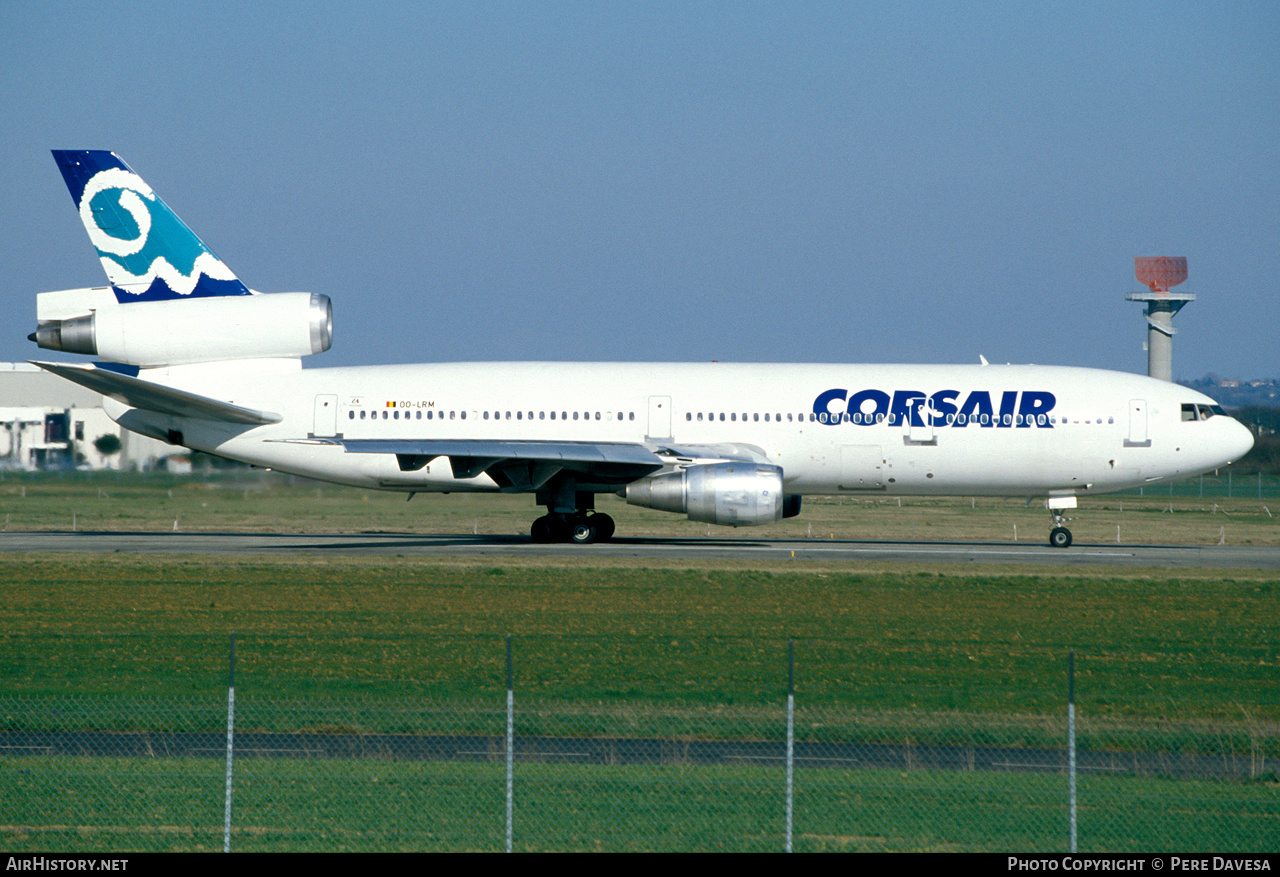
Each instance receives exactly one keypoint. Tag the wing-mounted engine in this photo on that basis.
(733, 494)
(183, 331)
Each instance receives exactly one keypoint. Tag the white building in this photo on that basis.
(49, 423)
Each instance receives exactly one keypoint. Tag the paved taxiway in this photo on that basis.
(732, 549)
(612, 751)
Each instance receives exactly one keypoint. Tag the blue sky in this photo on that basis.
(853, 182)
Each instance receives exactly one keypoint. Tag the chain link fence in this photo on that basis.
(121, 774)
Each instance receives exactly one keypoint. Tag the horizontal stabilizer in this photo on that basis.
(149, 396)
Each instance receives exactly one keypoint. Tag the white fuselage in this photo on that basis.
(833, 429)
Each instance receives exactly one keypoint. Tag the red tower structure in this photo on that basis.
(1160, 274)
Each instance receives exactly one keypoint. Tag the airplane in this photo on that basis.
(191, 356)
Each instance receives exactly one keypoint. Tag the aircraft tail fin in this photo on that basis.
(171, 301)
(148, 252)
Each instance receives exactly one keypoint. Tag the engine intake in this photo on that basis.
(729, 494)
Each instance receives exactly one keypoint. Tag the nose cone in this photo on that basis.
(1238, 441)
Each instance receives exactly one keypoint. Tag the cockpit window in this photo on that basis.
(1192, 411)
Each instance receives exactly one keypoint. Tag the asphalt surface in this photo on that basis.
(614, 751)
(736, 549)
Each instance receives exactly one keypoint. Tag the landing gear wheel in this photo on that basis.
(604, 526)
(543, 529)
(1060, 537)
(583, 532)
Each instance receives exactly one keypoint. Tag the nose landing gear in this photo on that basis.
(1059, 536)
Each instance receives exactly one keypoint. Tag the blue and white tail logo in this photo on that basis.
(148, 252)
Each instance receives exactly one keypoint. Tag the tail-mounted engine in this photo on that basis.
(181, 331)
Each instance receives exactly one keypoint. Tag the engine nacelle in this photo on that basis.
(730, 494)
(182, 331)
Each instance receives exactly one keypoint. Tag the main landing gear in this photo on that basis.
(581, 527)
(570, 517)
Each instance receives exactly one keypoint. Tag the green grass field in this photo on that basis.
(246, 500)
(351, 806)
(922, 649)
(1147, 643)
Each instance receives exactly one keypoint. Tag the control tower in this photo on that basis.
(1160, 274)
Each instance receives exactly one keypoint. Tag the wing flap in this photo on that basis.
(149, 396)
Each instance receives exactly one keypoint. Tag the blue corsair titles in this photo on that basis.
(1023, 408)
(191, 356)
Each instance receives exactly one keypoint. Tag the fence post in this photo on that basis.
(1071, 742)
(510, 744)
(791, 736)
(231, 726)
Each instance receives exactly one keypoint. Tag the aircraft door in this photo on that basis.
(326, 417)
(920, 424)
(1137, 437)
(659, 417)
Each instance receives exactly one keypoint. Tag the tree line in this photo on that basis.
(1264, 422)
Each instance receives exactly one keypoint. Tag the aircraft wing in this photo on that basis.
(718, 451)
(156, 397)
(518, 465)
